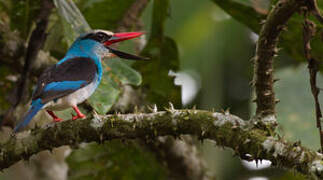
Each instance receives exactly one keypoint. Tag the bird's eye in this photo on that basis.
(102, 36)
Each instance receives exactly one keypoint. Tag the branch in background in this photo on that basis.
(11, 47)
(181, 157)
(132, 20)
(266, 50)
(227, 130)
(313, 67)
(132, 16)
(35, 43)
(12, 50)
(313, 8)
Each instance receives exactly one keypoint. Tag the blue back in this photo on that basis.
(86, 48)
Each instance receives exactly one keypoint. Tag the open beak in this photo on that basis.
(118, 37)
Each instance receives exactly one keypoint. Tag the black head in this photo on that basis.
(108, 38)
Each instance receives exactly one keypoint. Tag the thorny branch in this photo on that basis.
(243, 137)
(313, 67)
(266, 50)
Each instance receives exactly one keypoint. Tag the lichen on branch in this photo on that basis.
(243, 137)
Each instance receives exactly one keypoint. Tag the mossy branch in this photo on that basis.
(245, 138)
(265, 52)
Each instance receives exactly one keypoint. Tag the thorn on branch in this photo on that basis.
(153, 109)
(262, 22)
(252, 60)
(252, 83)
(171, 108)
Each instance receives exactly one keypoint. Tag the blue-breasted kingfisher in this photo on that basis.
(75, 77)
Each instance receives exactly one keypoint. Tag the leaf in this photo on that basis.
(114, 160)
(119, 73)
(164, 58)
(124, 73)
(72, 20)
(242, 12)
(105, 95)
(116, 75)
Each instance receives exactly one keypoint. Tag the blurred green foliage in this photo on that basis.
(295, 112)
(294, 31)
(105, 14)
(22, 14)
(242, 12)
(114, 160)
(164, 58)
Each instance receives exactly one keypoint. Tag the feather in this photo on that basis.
(65, 78)
(33, 110)
(65, 85)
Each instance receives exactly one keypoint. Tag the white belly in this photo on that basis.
(72, 99)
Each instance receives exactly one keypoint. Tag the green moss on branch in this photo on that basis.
(227, 130)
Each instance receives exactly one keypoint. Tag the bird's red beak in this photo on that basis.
(117, 37)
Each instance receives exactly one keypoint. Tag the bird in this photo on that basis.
(75, 77)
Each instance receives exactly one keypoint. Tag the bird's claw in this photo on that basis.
(57, 119)
(79, 116)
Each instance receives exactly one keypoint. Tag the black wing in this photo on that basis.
(77, 69)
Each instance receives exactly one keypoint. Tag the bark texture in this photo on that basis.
(265, 52)
(243, 137)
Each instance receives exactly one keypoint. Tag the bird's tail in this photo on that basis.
(33, 110)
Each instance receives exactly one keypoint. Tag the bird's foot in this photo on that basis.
(57, 119)
(79, 116)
